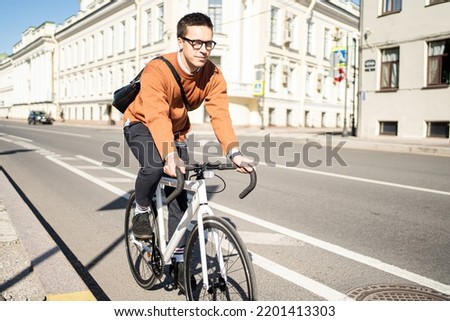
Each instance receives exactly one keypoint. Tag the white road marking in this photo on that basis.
(299, 279)
(91, 178)
(354, 178)
(262, 238)
(363, 180)
(50, 131)
(21, 138)
(336, 249)
(113, 169)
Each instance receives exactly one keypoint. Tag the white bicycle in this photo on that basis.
(217, 264)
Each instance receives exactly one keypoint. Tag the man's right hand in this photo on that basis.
(172, 162)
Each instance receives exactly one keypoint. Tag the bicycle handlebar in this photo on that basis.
(205, 167)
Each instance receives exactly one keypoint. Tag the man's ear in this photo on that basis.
(180, 44)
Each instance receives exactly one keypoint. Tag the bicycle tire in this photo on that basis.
(139, 260)
(240, 284)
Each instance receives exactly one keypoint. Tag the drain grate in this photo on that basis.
(396, 293)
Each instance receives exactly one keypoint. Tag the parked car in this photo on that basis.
(40, 117)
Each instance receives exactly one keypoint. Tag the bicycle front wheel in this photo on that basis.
(145, 264)
(229, 268)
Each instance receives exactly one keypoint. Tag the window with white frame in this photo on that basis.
(100, 45)
(311, 39)
(110, 42)
(148, 29)
(63, 58)
(83, 52)
(392, 6)
(215, 13)
(132, 33)
(160, 21)
(110, 81)
(289, 30)
(309, 84)
(101, 84)
(274, 20)
(439, 62)
(75, 55)
(326, 85)
(327, 44)
(291, 80)
(90, 49)
(273, 77)
(121, 37)
(390, 60)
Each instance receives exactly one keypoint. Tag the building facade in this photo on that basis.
(276, 57)
(405, 68)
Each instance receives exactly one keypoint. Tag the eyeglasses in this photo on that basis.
(198, 44)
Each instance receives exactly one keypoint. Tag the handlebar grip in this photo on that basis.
(178, 189)
(251, 186)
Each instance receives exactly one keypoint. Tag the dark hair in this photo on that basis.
(193, 19)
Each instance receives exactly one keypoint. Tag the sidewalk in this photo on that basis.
(32, 266)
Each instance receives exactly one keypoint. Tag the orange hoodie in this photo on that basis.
(160, 107)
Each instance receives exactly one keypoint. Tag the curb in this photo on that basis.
(33, 267)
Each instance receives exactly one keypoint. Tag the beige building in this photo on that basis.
(283, 47)
(405, 68)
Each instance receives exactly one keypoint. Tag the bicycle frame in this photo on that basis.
(199, 206)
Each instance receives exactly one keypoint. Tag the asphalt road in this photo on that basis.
(320, 223)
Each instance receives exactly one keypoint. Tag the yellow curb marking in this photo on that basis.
(74, 296)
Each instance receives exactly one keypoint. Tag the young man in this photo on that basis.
(157, 121)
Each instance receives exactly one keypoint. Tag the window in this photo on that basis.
(215, 13)
(91, 48)
(160, 21)
(100, 44)
(311, 39)
(121, 33)
(273, 77)
(438, 129)
(148, 39)
(274, 25)
(308, 84)
(390, 68)
(388, 128)
(439, 63)
(110, 43)
(392, 6)
(132, 33)
(83, 52)
(326, 44)
(288, 30)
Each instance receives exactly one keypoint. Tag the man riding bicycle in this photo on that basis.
(156, 123)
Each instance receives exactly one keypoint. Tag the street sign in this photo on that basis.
(258, 88)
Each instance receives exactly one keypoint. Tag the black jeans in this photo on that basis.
(142, 145)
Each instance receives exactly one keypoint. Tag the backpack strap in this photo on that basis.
(178, 79)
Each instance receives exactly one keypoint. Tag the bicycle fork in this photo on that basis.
(205, 210)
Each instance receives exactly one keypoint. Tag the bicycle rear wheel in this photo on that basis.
(145, 264)
(235, 280)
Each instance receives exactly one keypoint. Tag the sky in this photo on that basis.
(17, 15)
(15, 19)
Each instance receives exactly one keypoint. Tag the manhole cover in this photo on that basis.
(396, 293)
